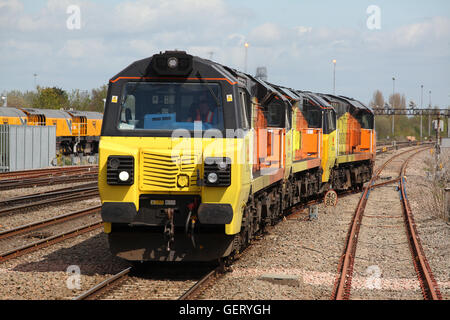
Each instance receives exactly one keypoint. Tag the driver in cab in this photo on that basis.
(202, 112)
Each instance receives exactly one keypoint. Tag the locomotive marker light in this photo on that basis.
(114, 163)
(124, 176)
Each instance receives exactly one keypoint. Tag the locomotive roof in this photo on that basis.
(87, 114)
(355, 103)
(11, 112)
(358, 104)
(50, 113)
(317, 99)
(204, 69)
(201, 69)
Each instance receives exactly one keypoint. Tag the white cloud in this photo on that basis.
(11, 5)
(83, 48)
(267, 34)
(430, 36)
(113, 35)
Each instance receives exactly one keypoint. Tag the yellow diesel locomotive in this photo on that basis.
(196, 158)
(76, 131)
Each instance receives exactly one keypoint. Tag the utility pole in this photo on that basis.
(429, 119)
(5, 97)
(334, 76)
(246, 49)
(421, 111)
(393, 106)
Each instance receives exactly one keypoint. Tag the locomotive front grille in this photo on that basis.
(160, 171)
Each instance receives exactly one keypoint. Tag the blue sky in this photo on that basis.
(296, 40)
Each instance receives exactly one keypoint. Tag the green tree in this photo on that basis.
(79, 100)
(19, 99)
(97, 96)
(51, 98)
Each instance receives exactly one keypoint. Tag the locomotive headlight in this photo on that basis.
(172, 62)
(124, 176)
(217, 171)
(212, 177)
(222, 165)
(120, 170)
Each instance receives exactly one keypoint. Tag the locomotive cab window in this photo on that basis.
(245, 109)
(275, 112)
(365, 119)
(171, 106)
(330, 122)
(313, 114)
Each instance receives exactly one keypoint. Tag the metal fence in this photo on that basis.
(26, 147)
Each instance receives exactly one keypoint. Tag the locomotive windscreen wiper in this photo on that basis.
(210, 90)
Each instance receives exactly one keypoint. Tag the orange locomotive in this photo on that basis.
(76, 131)
(183, 184)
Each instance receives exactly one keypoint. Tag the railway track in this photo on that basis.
(385, 147)
(48, 240)
(35, 173)
(180, 282)
(45, 179)
(113, 284)
(38, 200)
(428, 284)
(389, 231)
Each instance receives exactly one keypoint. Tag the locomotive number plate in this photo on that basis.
(163, 202)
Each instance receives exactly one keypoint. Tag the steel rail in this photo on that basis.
(77, 195)
(15, 184)
(48, 222)
(342, 285)
(19, 251)
(45, 194)
(196, 288)
(428, 284)
(5, 176)
(99, 288)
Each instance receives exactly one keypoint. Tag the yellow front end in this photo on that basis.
(166, 166)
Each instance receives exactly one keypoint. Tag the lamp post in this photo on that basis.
(334, 76)
(246, 49)
(393, 106)
(35, 75)
(6, 101)
(429, 119)
(421, 111)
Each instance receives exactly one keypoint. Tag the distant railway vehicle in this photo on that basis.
(12, 116)
(76, 131)
(196, 158)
